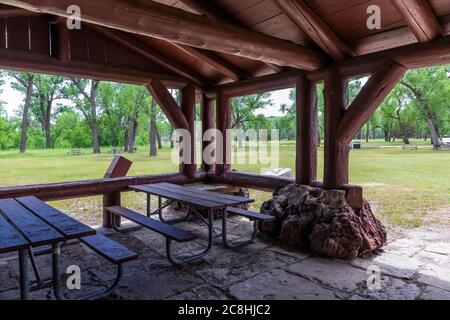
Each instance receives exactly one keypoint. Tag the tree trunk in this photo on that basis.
(239, 133)
(153, 131)
(158, 138)
(95, 138)
(26, 109)
(132, 135)
(434, 133)
(367, 131)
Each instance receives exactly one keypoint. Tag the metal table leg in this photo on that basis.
(172, 221)
(178, 261)
(149, 204)
(230, 245)
(23, 274)
(56, 266)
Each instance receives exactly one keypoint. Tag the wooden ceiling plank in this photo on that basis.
(308, 21)
(420, 18)
(149, 53)
(163, 22)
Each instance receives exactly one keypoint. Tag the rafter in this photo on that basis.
(149, 54)
(205, 8)
(420, 18)
(214, 62)
(163, 22)
(315, 28)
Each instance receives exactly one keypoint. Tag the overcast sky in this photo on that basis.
(13, 99)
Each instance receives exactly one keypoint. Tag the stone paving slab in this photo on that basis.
(432, 293)
(435, 276)
(278, 284)
(441, 247)
(390, 264)
(390, 289)
(331, 273)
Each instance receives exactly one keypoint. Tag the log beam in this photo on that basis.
(188, 109)
(214, 62)
(420, 18)
(40, 63)
(369, 98)
(308, 21)
(149, 53)
(306, 142)
(223, 143)
(168, 105)
(205, 8)
(160, 21)
(336, 153)
(208, 123)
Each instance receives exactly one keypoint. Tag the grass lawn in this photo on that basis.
(404, 186)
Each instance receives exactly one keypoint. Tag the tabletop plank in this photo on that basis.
(10, 239)
(178, 197)
(195, 194)
(35, 230)
(69, 227)
(213, 196)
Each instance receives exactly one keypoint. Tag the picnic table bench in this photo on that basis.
(76, 152)
(194, 199)
(28, 222)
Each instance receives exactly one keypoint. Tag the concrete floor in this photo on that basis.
(414, 266)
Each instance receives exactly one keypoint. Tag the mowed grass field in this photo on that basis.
(406, 188)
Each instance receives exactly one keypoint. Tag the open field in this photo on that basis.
(407, 187)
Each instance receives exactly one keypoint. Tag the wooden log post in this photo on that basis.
(306, 142)
(118, 168)
(223, 122)
(188, 109)
(336, 153)
(207, 124)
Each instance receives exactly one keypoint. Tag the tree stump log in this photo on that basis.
(322, 221)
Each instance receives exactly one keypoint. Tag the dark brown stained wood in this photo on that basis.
(36, 231)
(67, 226)
(214, 13)
(208, 122)
(201, 194)
(111, 199)
(370, 97)
(12, 12)
(3, 32)
(28, 62)
(159, 21)
(306, 142)
(109, 249)
(60, 40)
(420, 18)
(217, 195)
(171, 195)
(97, 48)
(223, 123)
(149, 53)
(10, 239)
(335, 153)
(119, 167)
(162, 228)
(79, 189)
(168, 104)
(257, 85)
(39, 34)
(250, 214)
(432, 53)
(214, 62)
(315, 28)
(18, 33)
(188, 110)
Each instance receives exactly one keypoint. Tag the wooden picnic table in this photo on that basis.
(28, 222)
(194, 199)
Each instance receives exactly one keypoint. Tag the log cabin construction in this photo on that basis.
(214, 50)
